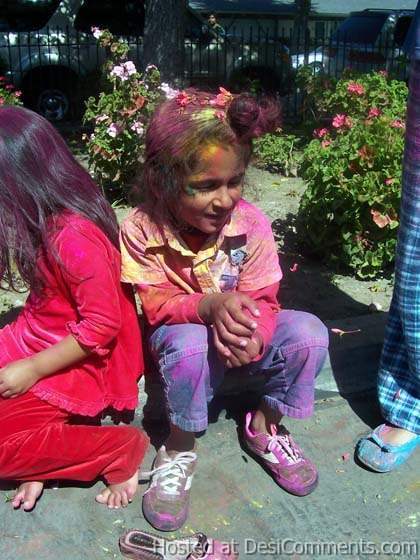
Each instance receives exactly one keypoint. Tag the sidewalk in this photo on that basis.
(234, 499)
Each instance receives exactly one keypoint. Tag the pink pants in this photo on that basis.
(38, 442)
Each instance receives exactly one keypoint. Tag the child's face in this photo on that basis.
(212, 191)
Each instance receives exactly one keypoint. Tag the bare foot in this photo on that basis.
(119, 495)
(396, 436)
(27, 495)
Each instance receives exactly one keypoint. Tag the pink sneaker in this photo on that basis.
(139, 545)
(284, 460)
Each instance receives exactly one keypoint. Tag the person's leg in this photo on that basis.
(190, 373)
(293, 359)
(38, 444)
(391, 444)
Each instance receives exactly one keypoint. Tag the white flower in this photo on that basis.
(96, 32)
(137, 127)
(129, 67)
(114, 129)
(150, 67)
(124, 71)
(119, 72)
(168, 91)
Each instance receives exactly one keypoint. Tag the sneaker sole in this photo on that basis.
(307, 490)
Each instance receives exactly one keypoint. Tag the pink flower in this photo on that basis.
(96, 32)
(341, 120)
(326, 143)
(356, 88)
(2, 79)
(114, 129)
(397, 123)
(9, 87)
(381, 220)
(221, 115)
(383, 73)
(223, 98)
(389, 181)
(182, 99)
(1, 101)
(374, 112)
(320, 132)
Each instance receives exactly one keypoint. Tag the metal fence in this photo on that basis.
(57, 69)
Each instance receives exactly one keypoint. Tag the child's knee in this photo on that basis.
(170, 339)
(302, 328)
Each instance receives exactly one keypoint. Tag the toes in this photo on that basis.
(18, 499)
(30, 498)
(131, 492)
(114, 500)
(103, 496)
(124, 498)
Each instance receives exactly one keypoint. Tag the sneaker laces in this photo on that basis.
(170, 472)
(284, 444)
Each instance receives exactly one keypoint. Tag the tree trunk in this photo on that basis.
(164, 33)
(301, 27)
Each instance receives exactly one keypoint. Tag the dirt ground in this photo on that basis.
(309, 286)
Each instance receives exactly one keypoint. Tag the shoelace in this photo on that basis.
(284, 444)
(171, 470)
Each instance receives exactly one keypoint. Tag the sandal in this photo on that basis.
(383, 457)
(140, 545)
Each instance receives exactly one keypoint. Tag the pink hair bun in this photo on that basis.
(251, 117)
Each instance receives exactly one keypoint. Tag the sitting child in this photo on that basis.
(205, 264)
(75, 348)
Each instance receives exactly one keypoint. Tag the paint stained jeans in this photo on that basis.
(191, 371)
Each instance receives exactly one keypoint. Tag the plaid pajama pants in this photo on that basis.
(399, 371)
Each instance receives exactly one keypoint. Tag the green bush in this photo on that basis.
(8, 94)
(349, 213)
(119, 116)
(277, 153)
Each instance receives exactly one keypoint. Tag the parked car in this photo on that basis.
(369, 40)
(365, 41)
(240, 62)
(47, 50)
(314, 59)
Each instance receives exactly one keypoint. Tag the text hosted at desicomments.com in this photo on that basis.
(313, 549)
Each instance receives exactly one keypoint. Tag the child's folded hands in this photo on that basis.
(233, 317)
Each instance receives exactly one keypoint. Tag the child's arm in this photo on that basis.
(85, 270)
(18, 377)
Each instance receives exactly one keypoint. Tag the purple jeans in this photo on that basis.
(191, 371)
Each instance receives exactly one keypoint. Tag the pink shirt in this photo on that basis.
(82, 296)
(172, 278)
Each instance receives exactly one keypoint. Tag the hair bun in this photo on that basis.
(251, 117)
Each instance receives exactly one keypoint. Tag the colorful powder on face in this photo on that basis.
(190, 191)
